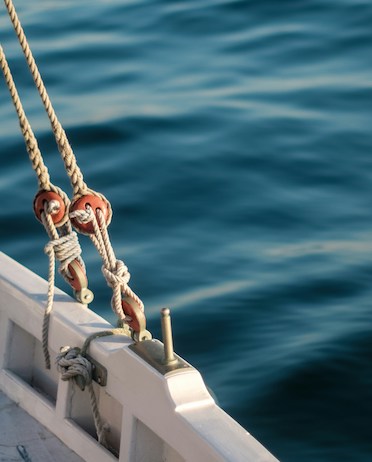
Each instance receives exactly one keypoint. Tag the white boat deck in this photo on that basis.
(34, 442)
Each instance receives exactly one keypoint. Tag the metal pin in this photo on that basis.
(166, 328)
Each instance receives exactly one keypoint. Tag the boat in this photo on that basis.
(155, 412)
(106, 392)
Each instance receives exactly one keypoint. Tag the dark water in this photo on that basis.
(233, 139)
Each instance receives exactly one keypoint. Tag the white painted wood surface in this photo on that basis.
(152, 417)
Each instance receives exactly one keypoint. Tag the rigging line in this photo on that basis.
(114, 271)
(66, 249)
(64, 147)
(30, 140)
(80, 188)
(63, 245)
(29, 137)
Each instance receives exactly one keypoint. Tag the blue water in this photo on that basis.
(233, 139)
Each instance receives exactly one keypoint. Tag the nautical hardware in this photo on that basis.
(161, 355)
(58, 215)
(79, 282)
(133, 311)
(166, 328)
(141, 336)
(152, 351)
(136, 319)
(99, 372)
(84, 203)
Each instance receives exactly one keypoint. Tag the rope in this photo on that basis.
(114, 271)
(64, 147)
(73, 365)
(66, 249)
(118, 268)
(28, 135)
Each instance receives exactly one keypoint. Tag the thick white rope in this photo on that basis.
(64, 147)
(66, 249)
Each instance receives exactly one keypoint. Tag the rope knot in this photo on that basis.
(65, 249)
(53, 207)
(83, 216)
(119, 276)
(72, 365)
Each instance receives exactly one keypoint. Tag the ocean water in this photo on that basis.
(233, 140)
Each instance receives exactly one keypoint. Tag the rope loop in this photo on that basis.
(82, 216)
(53, 207)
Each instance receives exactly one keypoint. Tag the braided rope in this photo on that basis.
(65, 230)
(117, 265)
(73, 365)
(64, 147)
(66, 249)
(28, 135)
(49, 306)
(114, 271)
